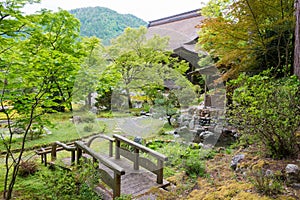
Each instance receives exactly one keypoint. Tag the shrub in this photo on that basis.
(268, 109)
(75, 184)
(183, 158)
(266, 183)
(88, 128)
(194, 167)
(88, 118)
(27, 168)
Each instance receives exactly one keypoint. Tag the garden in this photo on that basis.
(230, 135)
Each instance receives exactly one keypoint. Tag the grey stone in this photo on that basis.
(292, 169)
(47, 131)
(296, 185)
(206, 135)
(292, 173)
(192, 124)
(185, 124)
(200, 130)
(138, 140)
(235, 160)
(76, 119)
(185, 133)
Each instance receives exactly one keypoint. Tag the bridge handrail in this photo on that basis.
(111, 141)
(88, 143)
(116, 168)
(115, 181)
(141, 147)
(139, 161)
(65, 147)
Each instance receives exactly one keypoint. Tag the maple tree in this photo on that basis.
(249, 35)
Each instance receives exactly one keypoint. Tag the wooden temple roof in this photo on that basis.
(182, 31)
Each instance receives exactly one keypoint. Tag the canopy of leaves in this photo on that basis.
(104, 23)
(39, 57)
(139, 65)
(249, 35)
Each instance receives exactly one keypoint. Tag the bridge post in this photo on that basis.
(53, 152)
(118, 145)
(72, 157)
(79, 155)
(117, 185)
(136, 159)
(45, 159)
(110, 148)
(160, 171)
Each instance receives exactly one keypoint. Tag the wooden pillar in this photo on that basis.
(118, 145)
(53, 152)
(79, 155)
(72, 157)
(110, 148)
(136, 159)
(42, 155)
(117, 185)
(160, 171)
(45, 158)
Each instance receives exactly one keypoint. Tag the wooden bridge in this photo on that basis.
(129, 167)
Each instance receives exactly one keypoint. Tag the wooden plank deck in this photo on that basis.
(134, 182)
(123, 173)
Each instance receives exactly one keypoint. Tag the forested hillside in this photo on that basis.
(104, 23)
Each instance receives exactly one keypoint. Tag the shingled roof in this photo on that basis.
(182, 31)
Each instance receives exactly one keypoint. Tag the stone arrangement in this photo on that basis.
(205, 126)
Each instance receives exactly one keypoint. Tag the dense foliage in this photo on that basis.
(40, 56)
(76, 184)
(249, 35)
(269, 110)
(140, 66)
(104, 23)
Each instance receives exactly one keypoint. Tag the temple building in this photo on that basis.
(183, 34)
(182, 31)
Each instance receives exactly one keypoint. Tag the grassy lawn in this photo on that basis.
(63, 130)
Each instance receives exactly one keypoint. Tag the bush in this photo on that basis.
(88, 118)
(194, 167)
(266, 183)
(268, 109)
(88, 128)
(76, 184)
(183, 158)
(27, 168)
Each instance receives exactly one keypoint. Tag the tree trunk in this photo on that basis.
(297, 40)
(88, 101)
(128, 98)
